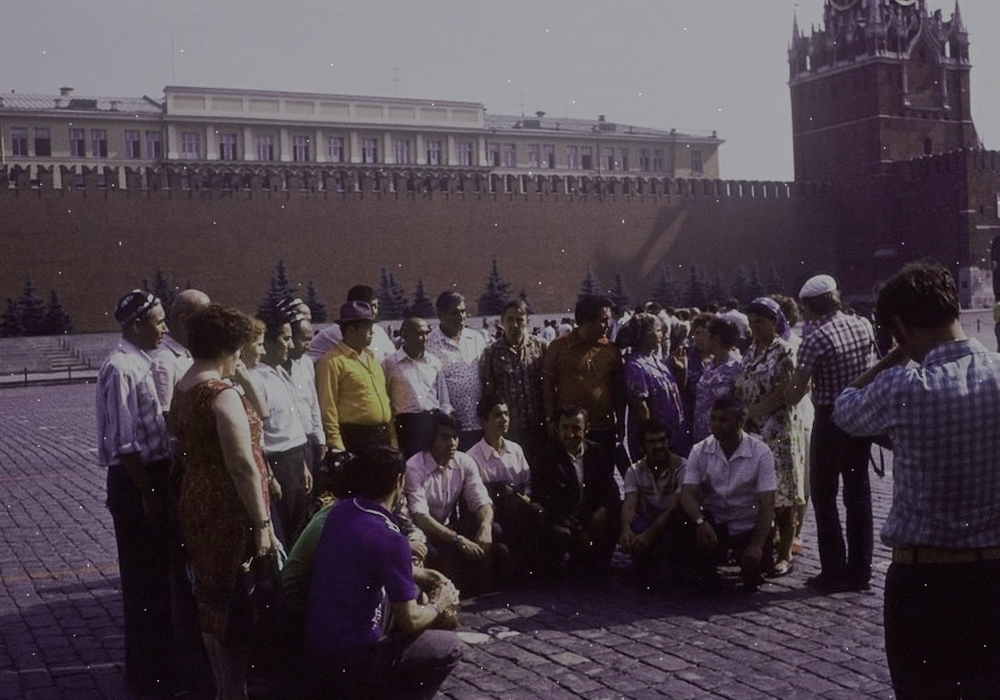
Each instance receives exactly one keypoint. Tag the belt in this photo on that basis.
(939, 555)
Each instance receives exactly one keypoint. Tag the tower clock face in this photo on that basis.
(848, 4)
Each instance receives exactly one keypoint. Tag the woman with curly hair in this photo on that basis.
(223, 507)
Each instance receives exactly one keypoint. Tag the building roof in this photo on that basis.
(78, 103)
(575, 127)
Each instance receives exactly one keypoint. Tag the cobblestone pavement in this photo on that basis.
(60, 607)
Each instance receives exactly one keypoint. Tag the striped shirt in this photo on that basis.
(943, 418)
(129, 415)
(434, 490)
(835, 353)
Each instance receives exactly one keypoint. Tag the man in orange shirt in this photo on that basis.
(584, 368)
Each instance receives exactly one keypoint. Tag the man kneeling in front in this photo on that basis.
(362, 572)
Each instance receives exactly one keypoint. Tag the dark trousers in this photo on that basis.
(521, 524)
(144, 566)
(470, 576)
(942, 630)
(358, 438)
(841, 457)
(415, 432)
(733, 543)
(289, 512)
(395, 668)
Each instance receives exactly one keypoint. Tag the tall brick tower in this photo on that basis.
(881, 81)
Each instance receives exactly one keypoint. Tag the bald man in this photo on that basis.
(172, 359)
(416, 387)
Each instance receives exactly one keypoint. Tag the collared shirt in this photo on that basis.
(351, 389)
(415, 383)
(283, 429)
(835, 353)
(171, 361)
(324, 341)
(654, 491)
(586, 374)
(944, 420)
(129, 414)
(303, 378)
(434, 490)
(507, 464)
(730, 487)
(516, 374)
(460, 364)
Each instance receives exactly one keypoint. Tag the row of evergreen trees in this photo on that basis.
(697, 290)
(31, 314)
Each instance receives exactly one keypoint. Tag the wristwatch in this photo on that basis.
(456, 538)
(699, 521)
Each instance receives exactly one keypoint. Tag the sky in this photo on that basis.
(695, 65)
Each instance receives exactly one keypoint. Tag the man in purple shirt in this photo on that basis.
(362, 571)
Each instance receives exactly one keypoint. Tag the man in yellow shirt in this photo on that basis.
(353, 398)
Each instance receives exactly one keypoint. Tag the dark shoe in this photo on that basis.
(860, 586)
(827, 583)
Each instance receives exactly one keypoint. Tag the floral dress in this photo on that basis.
(716, 381)
(648, 378)
(218, 532)
(763, 369)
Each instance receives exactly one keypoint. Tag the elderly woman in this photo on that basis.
(766, 368)
(652, 389)
(722, 367)
(223, 508)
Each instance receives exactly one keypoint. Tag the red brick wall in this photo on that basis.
(92, 245)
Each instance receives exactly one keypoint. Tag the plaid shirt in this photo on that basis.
(835, 353)
(943, 418)
(516, 374)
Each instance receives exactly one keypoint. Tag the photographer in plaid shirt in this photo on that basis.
(838, 349)
(942, 590)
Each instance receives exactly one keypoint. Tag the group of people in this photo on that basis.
(449, 461)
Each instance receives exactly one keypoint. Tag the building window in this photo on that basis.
(644, 159)
(43, 141)
(190, 145)
(154, 145)
(335, 146)
(433, 153)
(623, 159)
(532, 155)
(77, 143)
(658, 160)
(369, 151)
(572, 157)
(133, 144)
(493, 154)
(227, 146)
(99, 143)
(19, 141)
(697, 167)
(509, 155)
(608, 158)
(549, 156)
(587, 157)
(300, 149)
(404, 155)
(265, 147)
(465, 153)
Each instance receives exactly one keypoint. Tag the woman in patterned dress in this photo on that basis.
(223, 507)
(722, 367)
(767, 366)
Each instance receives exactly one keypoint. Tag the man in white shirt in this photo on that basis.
(303, 375)
(460, 350)
(133, 445)
(728, 494)
(462, 548)
(172, 359)
(507, 476)
(416, 388)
